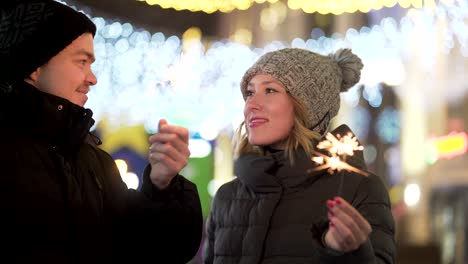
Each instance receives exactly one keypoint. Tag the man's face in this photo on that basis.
(68, 74)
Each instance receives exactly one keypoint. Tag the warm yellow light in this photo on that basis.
(122, 166)
(389, 3)
(268, 19)
(243, 4)
(417, 3)
(193, 33)
(365, 8)
(323, 11)
(448, 146)
(281, 10)
(451, 145)
(309, 6)
(429, 4)
(242, 36)
(342, 6)
(152, 2)
(191, 38)
(294, 4)
(377, 5)
(350, 8)
(404, 3)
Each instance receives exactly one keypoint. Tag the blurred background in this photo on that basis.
(183, 60)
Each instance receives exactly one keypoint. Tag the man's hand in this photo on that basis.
(348, 228)
(168, 153)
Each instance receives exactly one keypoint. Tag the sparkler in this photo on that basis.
(339, 148)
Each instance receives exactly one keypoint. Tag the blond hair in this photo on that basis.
(299, 137)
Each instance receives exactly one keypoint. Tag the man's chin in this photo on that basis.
(81, 100)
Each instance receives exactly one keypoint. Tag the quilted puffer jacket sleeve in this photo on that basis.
(208, 246)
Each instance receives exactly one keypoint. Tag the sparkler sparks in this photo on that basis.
(339, 148)
(338, 145)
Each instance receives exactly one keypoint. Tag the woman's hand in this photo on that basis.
(348, 229)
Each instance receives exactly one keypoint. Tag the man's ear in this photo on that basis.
(33, 77)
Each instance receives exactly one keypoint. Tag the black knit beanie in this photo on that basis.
(34, 31)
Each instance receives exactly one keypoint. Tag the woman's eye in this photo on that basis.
(248, 93)
(270, 90)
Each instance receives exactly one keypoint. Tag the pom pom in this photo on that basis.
(350, 65)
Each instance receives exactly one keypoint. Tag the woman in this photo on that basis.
(275, 211)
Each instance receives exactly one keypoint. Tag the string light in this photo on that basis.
(144, 77)
(309, 6)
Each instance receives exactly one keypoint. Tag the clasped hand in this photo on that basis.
(348, 229)
(168, 153)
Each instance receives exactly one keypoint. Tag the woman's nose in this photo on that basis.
(253, 103)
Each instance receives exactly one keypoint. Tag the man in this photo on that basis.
(62, 198)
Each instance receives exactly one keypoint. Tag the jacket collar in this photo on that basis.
(53, 120)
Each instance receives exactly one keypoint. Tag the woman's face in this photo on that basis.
(268, 111)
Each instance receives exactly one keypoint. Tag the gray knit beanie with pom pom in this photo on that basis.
(313, 79)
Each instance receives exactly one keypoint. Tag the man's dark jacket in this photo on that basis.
(63, 200)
